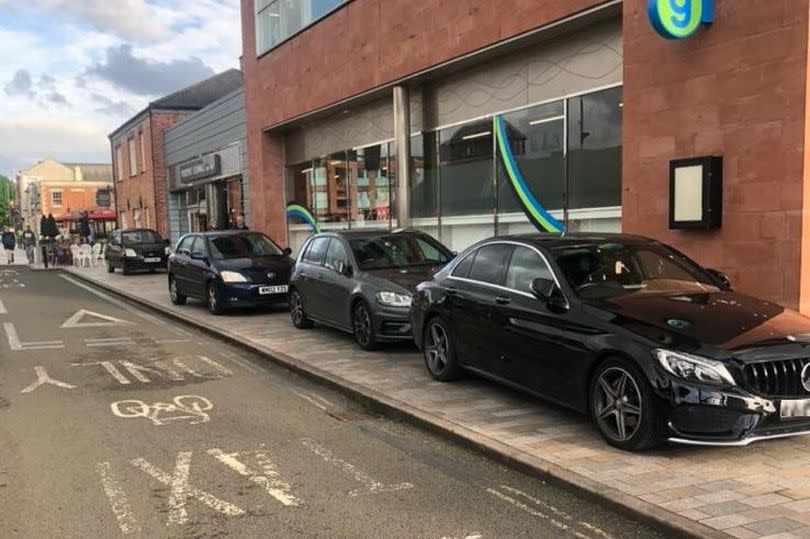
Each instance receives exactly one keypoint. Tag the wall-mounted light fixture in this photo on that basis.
(696, 193)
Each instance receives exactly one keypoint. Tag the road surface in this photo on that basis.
(115, 422)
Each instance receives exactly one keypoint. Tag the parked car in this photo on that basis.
(627, 329)
(362, 281)
(136, 249)
(233, 268)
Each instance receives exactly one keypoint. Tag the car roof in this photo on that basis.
(220, 233)
(553, 241)
(371, 233)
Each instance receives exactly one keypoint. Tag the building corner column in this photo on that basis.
(402, 142)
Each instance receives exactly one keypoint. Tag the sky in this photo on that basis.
(74, 70)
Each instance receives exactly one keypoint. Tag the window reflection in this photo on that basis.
(371, 186)
(276, 20)
(465, 167)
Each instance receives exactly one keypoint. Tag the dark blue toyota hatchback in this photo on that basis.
(233, 268)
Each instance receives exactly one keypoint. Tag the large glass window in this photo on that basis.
(595, 149)
(370, 174)
(276, 20)
(466, 169)
(537, 141)
(424, 176)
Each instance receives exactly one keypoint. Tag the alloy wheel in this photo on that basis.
(436, 348)
(362, 325)
(212, 299)
(296, 308)
(173, 289)
(618, 404)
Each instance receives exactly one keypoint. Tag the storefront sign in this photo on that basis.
(103, 198)
(679, 19)
(204, 167)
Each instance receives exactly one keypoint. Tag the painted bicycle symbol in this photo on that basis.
(183, 407)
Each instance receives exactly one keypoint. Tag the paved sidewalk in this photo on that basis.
(752, 492)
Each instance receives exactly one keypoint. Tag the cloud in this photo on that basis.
(20, 85)
(46, 82)
(148, 77)
(128, 19)
(57, 98)
(110, 107)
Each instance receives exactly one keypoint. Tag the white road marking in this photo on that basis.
(43, 378)
(217, 366)
(118, 500)
(170, 341)
(3, 308)
(553, 521)
(475, 535)
(369, 483)
(246, 365)
(110, 368)
(127, 307)
(121, 341)
(595, 529)
(77, 320)
(312, 401)
(181, 490)
(16, 345)
(270, 478)
(139, 372)
(192, 407)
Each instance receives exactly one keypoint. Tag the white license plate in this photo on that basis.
(265, 290)
(152, 260)
(795, 408)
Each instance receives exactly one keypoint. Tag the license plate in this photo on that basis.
(265, 290)
(152, 260)
(795, 408)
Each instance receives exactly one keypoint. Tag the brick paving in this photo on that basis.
(758, 491)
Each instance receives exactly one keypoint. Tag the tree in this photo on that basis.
(8, 193)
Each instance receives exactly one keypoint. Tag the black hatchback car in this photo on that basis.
(231, 268)
(361, 282)
(627, 329)
(136, 249)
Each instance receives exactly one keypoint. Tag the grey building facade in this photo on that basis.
(206, 156)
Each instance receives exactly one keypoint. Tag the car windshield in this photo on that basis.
(242, 246)
(137, 237)
(614, 269)
(398, 251)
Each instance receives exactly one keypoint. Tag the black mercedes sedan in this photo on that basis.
(232, 268)
(362, 282)
(647, 342)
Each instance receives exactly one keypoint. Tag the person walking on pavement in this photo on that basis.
(29, 242)
(9, 241)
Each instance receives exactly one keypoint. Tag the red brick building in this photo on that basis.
(141, 183)
(596, 104)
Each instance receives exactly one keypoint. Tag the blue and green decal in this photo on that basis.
(536, 213)
(297, 210)
(679, 19)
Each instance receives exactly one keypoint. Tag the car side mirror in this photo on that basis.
(548, 291)
(720, 277)
(287, 251)
(342, 268)
(198, 256)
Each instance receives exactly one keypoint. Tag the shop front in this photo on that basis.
(206, 154)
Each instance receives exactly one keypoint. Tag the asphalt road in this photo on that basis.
(116, 422)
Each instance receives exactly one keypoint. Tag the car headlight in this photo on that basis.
(167, 250)
(695, 368)
(232, 277)
(130, 253)
(392, 299)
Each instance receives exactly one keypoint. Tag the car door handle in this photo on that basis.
(503, 300)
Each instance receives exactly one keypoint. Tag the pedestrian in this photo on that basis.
(9, 241)
(240, 222)
(29, 243)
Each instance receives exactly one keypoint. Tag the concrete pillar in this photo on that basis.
(402, 141)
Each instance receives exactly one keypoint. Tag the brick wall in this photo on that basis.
(147, 190)
(736, 89)
(378, 41)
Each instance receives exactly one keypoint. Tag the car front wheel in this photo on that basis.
(177, 297)
(363, 326)
(623, 406)
(439, 352)
(213, 300)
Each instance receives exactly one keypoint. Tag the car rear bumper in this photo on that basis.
(705, 415)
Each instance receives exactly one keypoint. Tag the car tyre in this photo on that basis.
(177, 297)
(297, 312)
(623, 406)
(363, 326)
(213, 300)
(439, 351)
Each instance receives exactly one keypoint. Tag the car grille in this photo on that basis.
(777, 378)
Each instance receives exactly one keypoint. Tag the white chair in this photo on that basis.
(98, 252)
(87, 255)
(75, 254)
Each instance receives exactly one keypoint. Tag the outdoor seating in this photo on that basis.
(86, 255)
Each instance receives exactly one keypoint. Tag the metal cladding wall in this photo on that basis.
(213, 128)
